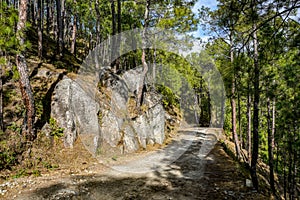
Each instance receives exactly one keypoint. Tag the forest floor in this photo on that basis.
(193, 166)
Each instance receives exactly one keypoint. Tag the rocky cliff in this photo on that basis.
(108, 120)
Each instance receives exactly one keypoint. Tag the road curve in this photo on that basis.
(200, 140)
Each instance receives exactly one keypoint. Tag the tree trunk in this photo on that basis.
(209, 104)
(118, 46)
(1, 97)
(133, 44)
(196, 104)
(73, 45)
(234, 133)
(295, 166)
(40, 29)
(271, 144)
(222, 110)
(240, 124)
(233, 105)
(60, 28)
(255, 112)
(249, 138)
(154, 66)
(53, 20)
(97, 22)
(284, 177)
(32, 11)
(47, 16)
(290, 150)
(113, 25)
(27, 95)
(143, 58)
(65, 24)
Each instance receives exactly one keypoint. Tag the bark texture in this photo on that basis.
(143, 58)
(27, 95)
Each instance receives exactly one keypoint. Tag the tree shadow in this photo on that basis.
(174, 181)
(188, 177)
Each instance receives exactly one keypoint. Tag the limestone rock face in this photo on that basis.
(120, 127)
(133, 79)
(75, 111)
(108, 120)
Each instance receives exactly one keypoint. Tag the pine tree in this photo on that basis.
(27, 95)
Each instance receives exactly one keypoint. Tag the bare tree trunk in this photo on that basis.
(1, 83)
(113, 49)
(32, 11)
(233, 105)
(209, 104)
(154, 66)
(294, 182)
(60, 27)
(222, 110)
(255, 112)
(119, 34)
(64, 25)
(271, 144)
(1, 97)
(290, 150)
(284, 177)
(196, 103)
(133, 44)
(48, 16)
(240, 124)
(234, 133)
(143, 58)
(73, 45)
(27, 95)
(97, 22)
(53, 19)
(40, 29)
(249, 138)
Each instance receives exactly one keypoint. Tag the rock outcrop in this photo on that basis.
(75, 111)
(108, 119)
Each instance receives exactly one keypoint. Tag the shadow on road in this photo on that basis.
(215, 176)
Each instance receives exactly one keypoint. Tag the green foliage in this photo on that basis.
(56, 131)
(99, 151)
(15, 127)
(15, 73)
(169, 98)
(50, 166)
(20, 173)
(278, 61)
(36, 172)
(8, 19)
(7, 158)
(100, 118)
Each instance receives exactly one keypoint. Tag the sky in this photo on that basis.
(208, 3)
(212, 4)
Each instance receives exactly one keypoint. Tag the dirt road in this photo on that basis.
(194, 166)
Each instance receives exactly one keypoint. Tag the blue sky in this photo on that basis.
(212, 4)
(208, 3)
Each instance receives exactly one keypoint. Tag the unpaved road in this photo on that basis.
(189, 168)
